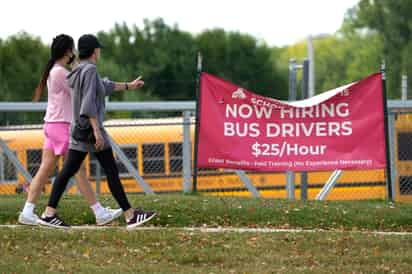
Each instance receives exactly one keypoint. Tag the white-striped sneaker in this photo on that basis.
(53, 221)
(28, 219)
(139, 217)
(108, 216)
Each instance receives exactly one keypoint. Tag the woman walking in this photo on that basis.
(89, 134)
(56, 130)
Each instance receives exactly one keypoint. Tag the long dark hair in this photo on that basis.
(59, 47)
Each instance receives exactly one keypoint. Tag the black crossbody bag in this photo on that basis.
(83, 134)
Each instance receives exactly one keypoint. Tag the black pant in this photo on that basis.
(72, 165)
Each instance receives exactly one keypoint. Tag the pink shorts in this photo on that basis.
(57, 137)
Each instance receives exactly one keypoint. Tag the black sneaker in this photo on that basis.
(140, 217)
(53, 221)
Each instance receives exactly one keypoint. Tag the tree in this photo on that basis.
(241, 59)
(23, 58)
(166, 57)
(163, 55)
(393, 22)
(340, 59)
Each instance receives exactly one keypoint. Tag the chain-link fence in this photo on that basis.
(403, 156)
(160, 151)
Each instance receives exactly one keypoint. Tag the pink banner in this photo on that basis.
(339, 129)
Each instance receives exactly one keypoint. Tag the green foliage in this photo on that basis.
(343, 60)
(241, 59)
(22, 61)
(339, 59)
(164, 55)
(23, 58)
(372, 31)
(392, 21)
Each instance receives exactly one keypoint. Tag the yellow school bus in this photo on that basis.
(154, 147)
(403, 157)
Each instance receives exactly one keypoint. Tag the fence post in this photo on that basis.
(290, 175)
(305, 95)
(248, 183)
(198, 83)
(404, 86)
(386, 133)
(392, 136)
(1, 167)
(329, 185)
(187, 154)
(311, 56)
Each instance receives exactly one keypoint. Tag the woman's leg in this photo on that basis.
(47, 166)
(70, 167)
(108, 163)
(103, 215)
(134, 217)
(84, 186)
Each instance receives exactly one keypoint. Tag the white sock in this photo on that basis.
(28, 209)
(98, 209)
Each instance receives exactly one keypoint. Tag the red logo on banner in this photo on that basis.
(339, 129)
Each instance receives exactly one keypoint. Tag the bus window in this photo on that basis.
(404, 146)
(7, 170)
(176, 157)
(153, 158)
(129, 151)
(33, 160)
(131, 154)
(405, 185)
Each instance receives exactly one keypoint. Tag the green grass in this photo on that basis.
(197, 210)
(173, 250)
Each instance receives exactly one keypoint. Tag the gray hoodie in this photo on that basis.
(88, 100)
